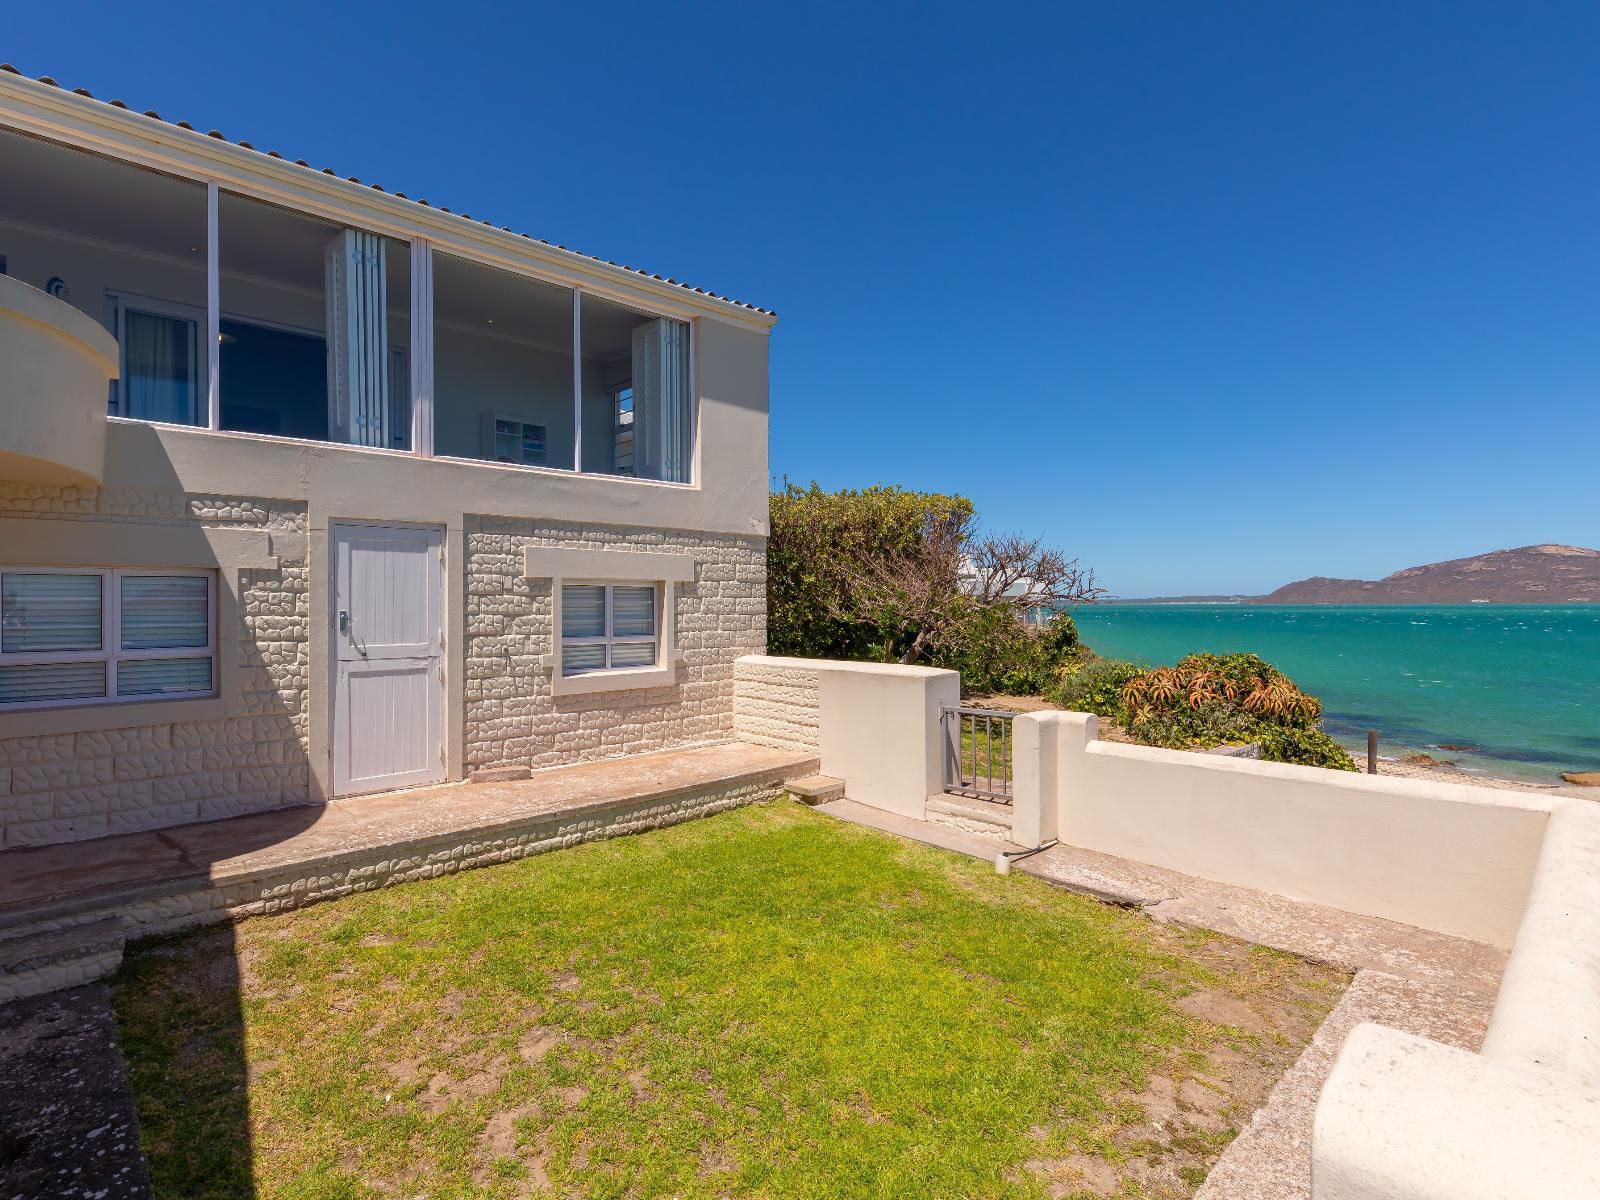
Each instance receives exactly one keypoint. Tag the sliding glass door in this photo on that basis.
(161, 368)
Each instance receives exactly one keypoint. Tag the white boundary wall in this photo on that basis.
(1402, 1116)
(1449, 857)
(875, 725)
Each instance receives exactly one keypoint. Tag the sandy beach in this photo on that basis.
(1443, 774)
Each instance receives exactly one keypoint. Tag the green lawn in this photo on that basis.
(764, 1003)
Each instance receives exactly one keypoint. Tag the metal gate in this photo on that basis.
(977, 760)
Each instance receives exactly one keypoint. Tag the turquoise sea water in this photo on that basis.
(1519, 683)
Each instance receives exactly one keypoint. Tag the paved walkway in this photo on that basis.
(33, 880)
(1426, 983)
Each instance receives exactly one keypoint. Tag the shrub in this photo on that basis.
(998, 653)
(1188, 727)
(907, 577)
(1094, 685)
(1308, 747)
(1211, 700)
(817, 540)
(1244, 683)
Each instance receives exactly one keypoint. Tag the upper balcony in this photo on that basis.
(206, 307)
(54, 366)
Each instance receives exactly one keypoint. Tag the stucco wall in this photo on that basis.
(105, 769)
(512, 719)
(1448, 857)
(877, 725)
(1403, 1116)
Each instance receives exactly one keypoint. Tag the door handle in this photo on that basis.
(344, 620)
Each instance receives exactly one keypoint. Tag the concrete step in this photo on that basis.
(38, 960)
(816, 789)
(970, 813)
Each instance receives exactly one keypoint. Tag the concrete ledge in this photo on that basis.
(44, 961)
(1548, 1011)
(1402, 1116)
(816, 789)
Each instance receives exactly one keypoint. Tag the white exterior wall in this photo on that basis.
(876, 725)
(1450, 857)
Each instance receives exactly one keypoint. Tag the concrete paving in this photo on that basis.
(67, 1121)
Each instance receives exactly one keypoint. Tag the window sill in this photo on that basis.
(87, 718)
(612, 681)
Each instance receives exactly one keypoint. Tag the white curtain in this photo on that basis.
(159, 367)
(358, 339)
(663, 414)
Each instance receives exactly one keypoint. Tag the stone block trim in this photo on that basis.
(512, 717)
(777, 705)
(67, 787)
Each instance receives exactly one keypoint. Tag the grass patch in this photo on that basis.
(764, 1003)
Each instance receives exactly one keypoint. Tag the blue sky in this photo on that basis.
(1214, 296)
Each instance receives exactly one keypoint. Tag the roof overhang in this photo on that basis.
(80, 120)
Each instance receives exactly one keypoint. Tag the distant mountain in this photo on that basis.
(1530, 575)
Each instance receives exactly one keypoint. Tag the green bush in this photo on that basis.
(1194, 727)
(995, 652)
(1209, 700)
(1094, 685)
(815, 538)
(1308, 747)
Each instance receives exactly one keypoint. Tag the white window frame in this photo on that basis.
(111, 651)
(619, 427)
(609, 638)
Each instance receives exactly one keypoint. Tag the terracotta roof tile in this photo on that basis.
(300, 162)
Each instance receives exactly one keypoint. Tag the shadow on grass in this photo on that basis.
(91, 1076)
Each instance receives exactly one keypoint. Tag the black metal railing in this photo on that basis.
(977, 759)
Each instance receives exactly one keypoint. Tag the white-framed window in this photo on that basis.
(609, 627)
(82, 635)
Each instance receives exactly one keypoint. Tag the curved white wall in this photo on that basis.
(55, 364)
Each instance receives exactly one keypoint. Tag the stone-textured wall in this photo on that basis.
(513, 719)
(776, 704)
(63, 787)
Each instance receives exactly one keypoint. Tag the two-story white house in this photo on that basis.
(309, 489)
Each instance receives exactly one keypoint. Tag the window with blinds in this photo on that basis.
(608, 627)
(81, 636)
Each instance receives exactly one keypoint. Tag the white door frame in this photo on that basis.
(347, 652)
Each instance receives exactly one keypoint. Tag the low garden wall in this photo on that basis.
(1453, 858)
(1404, 1116)
(874, 725)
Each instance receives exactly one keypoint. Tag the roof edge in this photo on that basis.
(44, 107)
